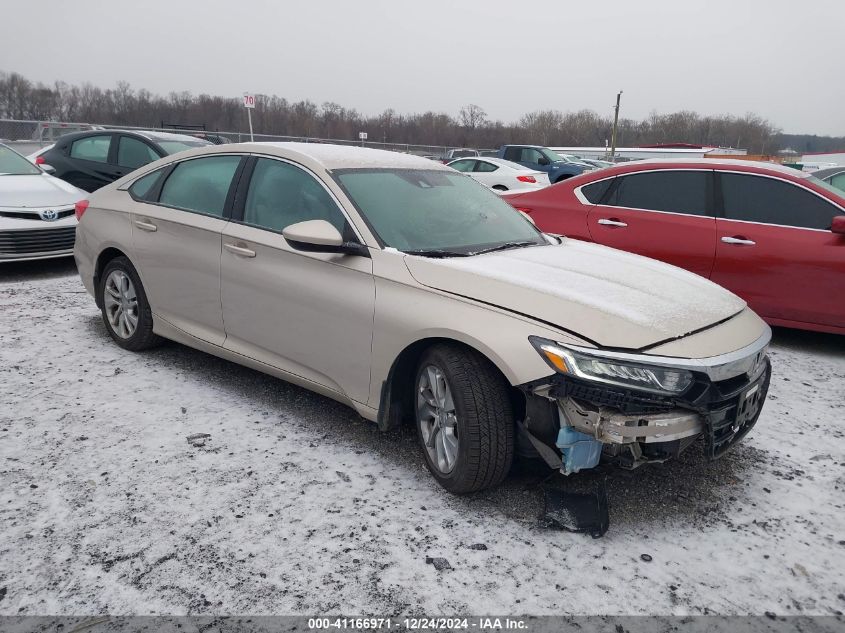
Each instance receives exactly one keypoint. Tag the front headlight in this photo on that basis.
(610, 371)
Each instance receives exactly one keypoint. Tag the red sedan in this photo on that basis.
(772, 235)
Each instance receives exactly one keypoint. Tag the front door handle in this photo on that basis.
(738, 240)
(612, 222)
(239, 250)
(146, 226)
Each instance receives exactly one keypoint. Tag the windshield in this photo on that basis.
(13, 164)
(552, 156)
(172, 147)
(429, 210)
(827, 186)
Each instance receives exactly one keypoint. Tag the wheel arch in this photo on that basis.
(106, 255)
(395, 401)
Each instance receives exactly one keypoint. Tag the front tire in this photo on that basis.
(124, 306)
(464, 419)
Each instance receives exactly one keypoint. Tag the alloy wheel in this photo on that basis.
(437, 419)
(121, 304)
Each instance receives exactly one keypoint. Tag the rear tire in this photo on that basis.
(500, 188)
(124, 306)
(475, 424)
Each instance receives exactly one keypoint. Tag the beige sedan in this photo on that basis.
(413, 294)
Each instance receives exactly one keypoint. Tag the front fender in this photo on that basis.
(408, 314)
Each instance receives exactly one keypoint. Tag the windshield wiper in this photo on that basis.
(506, 246)
(435, 252)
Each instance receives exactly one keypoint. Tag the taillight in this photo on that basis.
(39, 160)
(526, 179)
(80, 208)
(524, 209)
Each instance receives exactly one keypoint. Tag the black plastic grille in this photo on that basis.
(29, 215)
(31, 241)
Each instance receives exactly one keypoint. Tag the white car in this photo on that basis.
(500, 174)
(37, 218)
(33, 158)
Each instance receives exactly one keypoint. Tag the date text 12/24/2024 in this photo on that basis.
(418, 624)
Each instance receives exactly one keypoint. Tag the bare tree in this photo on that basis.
(472, 116)
(123, 105)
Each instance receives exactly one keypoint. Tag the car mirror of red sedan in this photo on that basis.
(838, 225)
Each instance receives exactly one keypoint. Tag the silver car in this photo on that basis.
(414, 294)
(36, 210)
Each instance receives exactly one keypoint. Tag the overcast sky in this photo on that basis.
(782, 59)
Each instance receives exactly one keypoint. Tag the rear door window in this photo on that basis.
(765, 200)
(133, 153)
(200, 185)
(674, 191)
(463, 165)
(484, 166)
(93, 148)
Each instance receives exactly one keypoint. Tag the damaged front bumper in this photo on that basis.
(587, 421)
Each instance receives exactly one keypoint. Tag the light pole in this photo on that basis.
(615, 126)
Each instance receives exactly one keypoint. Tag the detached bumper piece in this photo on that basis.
(577, 512)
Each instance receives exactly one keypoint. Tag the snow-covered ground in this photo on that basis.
(295, 505)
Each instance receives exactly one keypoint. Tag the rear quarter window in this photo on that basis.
(144, 186)
(596, 191)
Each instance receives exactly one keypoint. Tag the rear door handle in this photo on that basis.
(146, 226)
(239, 250)
(738, 240)
(606, 222)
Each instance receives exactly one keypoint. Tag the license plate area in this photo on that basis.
(728, 425)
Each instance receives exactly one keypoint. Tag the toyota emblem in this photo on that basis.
(49, 215)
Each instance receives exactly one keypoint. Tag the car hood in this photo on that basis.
(37, 191)
(609, 297)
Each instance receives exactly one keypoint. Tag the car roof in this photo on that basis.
(720, 162)
(153, 136)
(331, 156)
(828, 171)
(700, 163)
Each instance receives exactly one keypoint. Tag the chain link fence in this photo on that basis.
(28, 137)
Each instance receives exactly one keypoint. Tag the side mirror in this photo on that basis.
(318, 236)
(47, 169)
(542, 161)
(838, 225)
